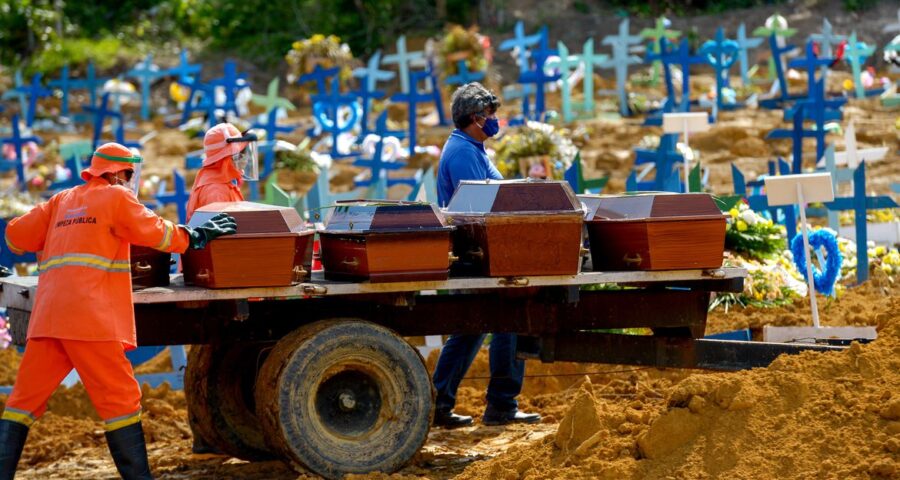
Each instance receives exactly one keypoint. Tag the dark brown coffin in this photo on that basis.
(654, 231)
(149, 267)
(383, 241)
(515, 228)
(271, 248)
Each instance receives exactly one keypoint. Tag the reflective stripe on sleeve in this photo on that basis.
(167, 237)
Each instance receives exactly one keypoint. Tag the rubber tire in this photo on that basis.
(218, 386)
(300, 367)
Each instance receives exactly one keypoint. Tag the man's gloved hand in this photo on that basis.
(5, 272)
(221, 224)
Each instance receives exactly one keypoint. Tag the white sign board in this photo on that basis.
(689, 122)
(783, 189)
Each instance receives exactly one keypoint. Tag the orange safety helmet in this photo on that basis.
(216, 144)
(111, 158)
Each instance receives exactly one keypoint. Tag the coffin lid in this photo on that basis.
(489, 197)
(657, 206)
(384, 216)
(253, 219)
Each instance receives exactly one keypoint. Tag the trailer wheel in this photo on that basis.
(345, 396)
(218, 387)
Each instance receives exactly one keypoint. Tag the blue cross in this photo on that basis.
(524, 92)
(146, 73)
(232, 82)
(320, 76)
(664, 158)
(521, 42)
(538, 76)
(206, 101)
(860, 203)
(377, 166)
(463, 75)
(326, 108)
(759, 202)
(815, 109)
(179, 195)
(425, 188)
(856, 54)
(365, 96)
(368, 87)
(745, 44)
(810, 64)
(621, 59)
(435, 83)
(100, 113)
(403, 59)
(267, 147)
(720, 53)
(777, 53)
(64, 86)
(412, 99)
(18, 141)
(827, 38)
(681, 56)
(74, 154)
(184, 72)
(90, 82)
(320, 196)
(33, 92)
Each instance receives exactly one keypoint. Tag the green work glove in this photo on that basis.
(215, 227)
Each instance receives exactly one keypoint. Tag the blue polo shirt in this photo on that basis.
(463, 158)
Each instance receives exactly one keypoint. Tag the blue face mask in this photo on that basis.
(491, 126)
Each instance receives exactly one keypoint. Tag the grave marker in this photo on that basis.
(656, 34)
(856, 54)
(575, 176)
(412, 99)
(620, 60)
(463, 75)
(271, 101)
(745, 44)
(538, 76)
(146, 73)
(521, 42)
(403, 59)
(179, 195)
(232, 83)
(368, 87)
(321, 76)
(589, 59)
(758, 201)
(64, 85)
(33, 92)
(18, 141)
(686, 123)
(185, 71)
(327, 110)
(827, 39)
(663, 160)
(720, 53)
(565, 64)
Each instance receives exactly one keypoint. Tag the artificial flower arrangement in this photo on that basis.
(5, 337)
(753, 235)
(327, 51)
(535, 149)
(464, 44)
(770, 282)
(16, 204)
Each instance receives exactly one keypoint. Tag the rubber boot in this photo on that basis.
(129, 451)
(12, 440)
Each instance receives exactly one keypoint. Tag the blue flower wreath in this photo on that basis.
(823, 280)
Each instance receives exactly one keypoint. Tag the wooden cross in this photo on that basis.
(368, 87)
(856, 54)
(828, 40)
(378, 167)
(720, 53)
(778, 64)
(232, 82)
(463, 75)
(811, 63)
(18, 141)
(320, 76)
(403, 59)
(664, 160)
(655, 35)
(412, 99)
(146, 73)
(680, 56)
(33, 92)
(621, 59)
(589, 59)
(326, 108)
(565, 64)
(745, 44)
(17, 93)
(90, 82)
(267, 147)
(74, 153)
(179, 195)
(759, 202)
(521, 42)
(538, 76)
(575, 176)
(100, 113)
(184, 72)
(271, 101)
(815, 109)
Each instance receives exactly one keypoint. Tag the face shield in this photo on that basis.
(129, 177)
(246, 160)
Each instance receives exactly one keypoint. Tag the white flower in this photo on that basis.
(749, 217)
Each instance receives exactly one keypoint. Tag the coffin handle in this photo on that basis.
(632, 260)
(585, 252)
(476, 253)
(142, 267)
(351, 262)
(203, 275)
(453, 258)
(299, 273)
(514, 281)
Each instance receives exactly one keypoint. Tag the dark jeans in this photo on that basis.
(507, 373)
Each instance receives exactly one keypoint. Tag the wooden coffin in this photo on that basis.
(654, 231)
(271, 248)
(383, 241)
(515, 228)
(149, 267)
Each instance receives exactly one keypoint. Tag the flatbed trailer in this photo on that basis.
(319, 375)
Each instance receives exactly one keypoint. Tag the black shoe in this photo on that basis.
(12, 440)
(129, 452)
(495, 417)
(448, 419)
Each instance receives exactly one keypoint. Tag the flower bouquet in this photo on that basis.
(535, 149)
(464, 44)
(752, 234)
(327, 51)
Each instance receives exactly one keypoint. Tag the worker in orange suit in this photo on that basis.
(83, 316)
(230, 159)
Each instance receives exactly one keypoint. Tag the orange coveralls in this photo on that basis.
(214, 184)
(83, 314)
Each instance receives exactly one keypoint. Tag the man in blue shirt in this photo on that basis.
(474, 111)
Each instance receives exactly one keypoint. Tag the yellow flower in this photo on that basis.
(296, 45)
(741, 226)
(886, 268)
(879, 251)
(848, 84)
(733, 212)
(317, 38)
